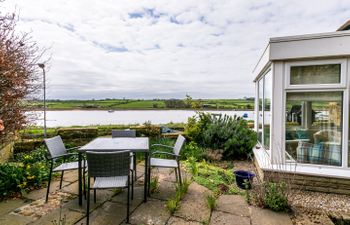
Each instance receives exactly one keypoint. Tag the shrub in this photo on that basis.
(29, 171)
(231, 134)
(149, 130)
(275, 196)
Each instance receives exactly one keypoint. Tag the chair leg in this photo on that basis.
(48, 185)
(149, 180)
(135, 175)
(132, 185)
(177, 178)
(62, 173)
(179, 168)
(88, 202)
(94, 192)
(128, 202)
(84, 180)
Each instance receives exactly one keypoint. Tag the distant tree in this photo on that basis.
(19, 56)
(175, 103)
(188, 101)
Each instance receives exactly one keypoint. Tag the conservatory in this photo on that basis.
(302, 105)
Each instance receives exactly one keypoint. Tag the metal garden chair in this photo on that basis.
(110, 170)
(57, 150)
(128, 133)
(167, 163)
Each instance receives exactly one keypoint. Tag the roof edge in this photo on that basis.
(310, 36)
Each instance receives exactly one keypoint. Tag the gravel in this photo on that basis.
(321, 201)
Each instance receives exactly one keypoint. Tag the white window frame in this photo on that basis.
(262, 78)
(343, 77)
(343, 86)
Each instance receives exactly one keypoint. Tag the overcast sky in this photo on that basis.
(164, 49)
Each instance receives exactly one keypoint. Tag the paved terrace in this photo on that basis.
(110, 207)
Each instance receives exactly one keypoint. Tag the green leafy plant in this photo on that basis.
(154, 185)
(192, 150)
(193, 166)
(216, 179)
(28, 171)
(211, 201)
(173, 203)
(275, 196)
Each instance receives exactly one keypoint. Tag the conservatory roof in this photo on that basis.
(307, 46)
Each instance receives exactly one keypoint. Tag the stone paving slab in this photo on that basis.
(41, 193)
(194, 204)
(8, 206)
(267, 217)
(70, 176)
(138, 198)
(153, 212)
(108, 213)
(166, 190)
(71, 216)
(101, 197)
(11, 219)
(179, 221)
(221, 218)
(234, 204)
(39, 208)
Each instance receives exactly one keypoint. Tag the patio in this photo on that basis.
(110, 206)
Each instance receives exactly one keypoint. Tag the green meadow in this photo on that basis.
(125, 104)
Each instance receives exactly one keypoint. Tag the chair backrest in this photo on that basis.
(178, 144)
(108, 164)
(55, 146)
(123, 133)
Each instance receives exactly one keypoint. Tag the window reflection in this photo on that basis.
(314, 127)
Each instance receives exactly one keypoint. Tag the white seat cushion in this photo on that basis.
(111, 182)
(168, 163)
(68, 166)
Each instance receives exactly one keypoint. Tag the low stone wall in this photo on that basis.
(311, 182)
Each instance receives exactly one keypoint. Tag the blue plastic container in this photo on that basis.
(244, 179)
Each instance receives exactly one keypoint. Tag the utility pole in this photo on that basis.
(42, 66)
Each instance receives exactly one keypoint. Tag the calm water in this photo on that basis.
(99, 117)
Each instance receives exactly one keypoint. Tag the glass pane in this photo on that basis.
(314, 127)
(267, 108)
(260, 116)
(317, 74)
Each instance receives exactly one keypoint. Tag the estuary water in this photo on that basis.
(103, 117)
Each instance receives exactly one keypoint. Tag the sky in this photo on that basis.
(163, 48)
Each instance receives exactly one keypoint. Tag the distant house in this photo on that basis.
(302, 108)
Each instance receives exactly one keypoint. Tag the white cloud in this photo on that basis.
(147, 49)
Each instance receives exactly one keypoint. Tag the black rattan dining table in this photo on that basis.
(103, 144)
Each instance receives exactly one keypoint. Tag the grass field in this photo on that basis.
(120, 104)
